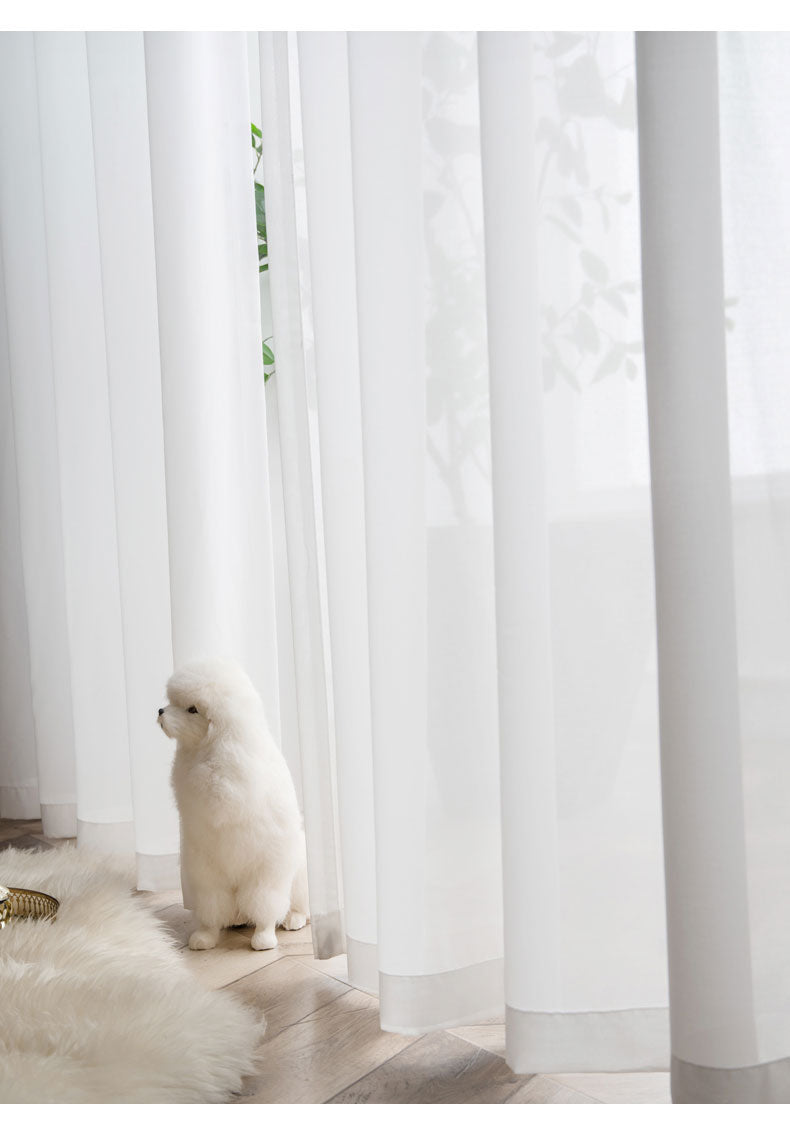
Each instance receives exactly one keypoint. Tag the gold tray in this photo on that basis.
(21, 903)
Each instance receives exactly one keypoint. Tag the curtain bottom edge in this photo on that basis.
(607, 1041)
(768, 1083)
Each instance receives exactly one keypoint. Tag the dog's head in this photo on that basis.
(205, 696)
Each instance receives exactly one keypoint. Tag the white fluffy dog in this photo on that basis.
(242, 838)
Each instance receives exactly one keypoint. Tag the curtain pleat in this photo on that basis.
(139, 422)
(116, 73)
(725, 1045)
(526, 701)
(326, 133)
(48, 758)
(318, 787)
(429, 562)
(683, 292)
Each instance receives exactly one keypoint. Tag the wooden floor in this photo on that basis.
(323, 1042)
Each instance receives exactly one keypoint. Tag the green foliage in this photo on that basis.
(263, 243)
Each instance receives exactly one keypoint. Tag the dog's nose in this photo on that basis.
(161, 711)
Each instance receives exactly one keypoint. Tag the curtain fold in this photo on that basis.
(452, 195)
(683, 294)
(137, 417)
(537, 195)
(429, 568)
(326, 134)
(318, 789)
(44, 754)
(524, 653)
(722, 1038)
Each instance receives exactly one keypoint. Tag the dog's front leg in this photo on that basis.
(210, 912)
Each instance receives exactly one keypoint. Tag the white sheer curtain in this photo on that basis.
(392, 128)
(473, 466)
(466, 231)
(136, 523)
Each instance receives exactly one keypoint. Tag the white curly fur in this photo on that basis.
(242, 840)
(99, 1007)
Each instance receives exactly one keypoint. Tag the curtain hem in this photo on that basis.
(19, 802)
(610, 1041)
(416, 1004)
(768, 1083)
(158, 873)
(329, 937)
(363, 966)
(59, 820)
(113, 837)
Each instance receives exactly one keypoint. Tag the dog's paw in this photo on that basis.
(294, 921)
(263, 940)
(202, 940)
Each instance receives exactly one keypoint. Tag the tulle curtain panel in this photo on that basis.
(502, 534)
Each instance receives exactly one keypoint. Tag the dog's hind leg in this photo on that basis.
(298, 912)
(264, 908)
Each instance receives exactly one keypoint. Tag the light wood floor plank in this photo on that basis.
(323, 1040)
(335, 967)
(316, 1058)
(231, 959)
(488, 1035)
(619, 1088)
(33, 826)
(436, 1069)
(179, 922)
(159, 900)
(24, 840)
(543, 1090)
(9, 830)
(286, 992)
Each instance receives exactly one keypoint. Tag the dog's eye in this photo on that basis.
(192, 710)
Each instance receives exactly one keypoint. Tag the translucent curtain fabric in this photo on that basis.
(521, 460)
(299, 504)
(136, 522)
(529, 471)
(717, 412)
(392, 128)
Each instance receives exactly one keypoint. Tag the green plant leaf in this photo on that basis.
(268, 355)
(255, 131)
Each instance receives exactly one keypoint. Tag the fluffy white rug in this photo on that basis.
(99, 1007)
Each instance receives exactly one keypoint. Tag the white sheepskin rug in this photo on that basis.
(98, 1006)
